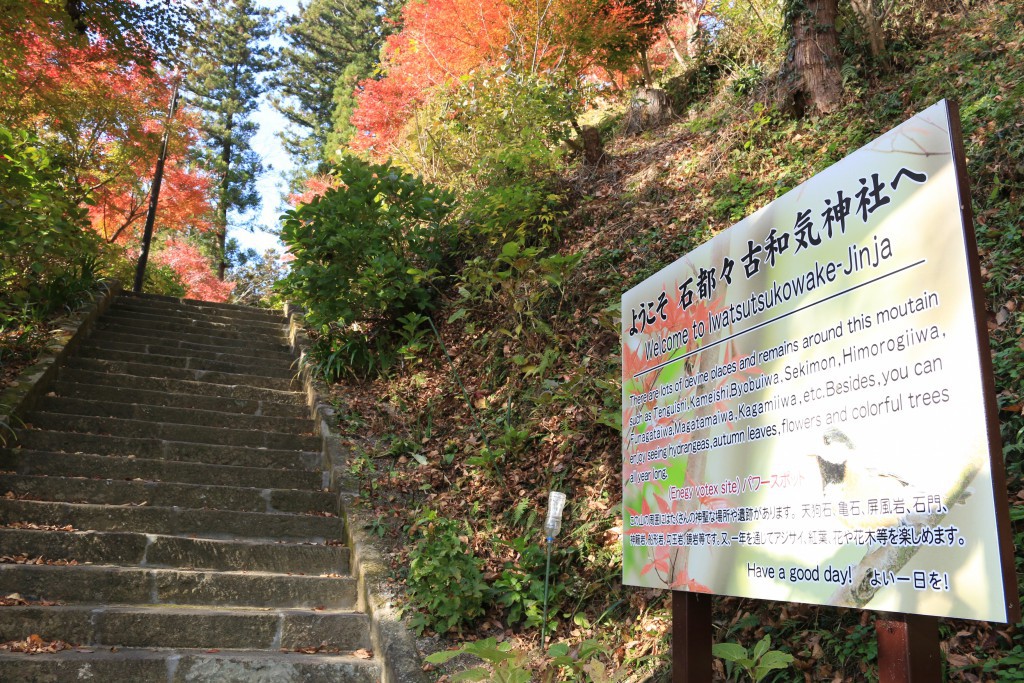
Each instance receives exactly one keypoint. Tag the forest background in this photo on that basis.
(475, 184)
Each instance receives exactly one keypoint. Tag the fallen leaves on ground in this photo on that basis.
(25, 558)
(35, 644)
(16, 600)
(37, 527)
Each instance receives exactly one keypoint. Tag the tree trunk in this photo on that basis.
(672, 44)
(865, 10)
(649, 108)
(224, 190)
(812, 72)
(593, 148)
(645, 68)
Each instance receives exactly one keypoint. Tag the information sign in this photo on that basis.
(804, 413)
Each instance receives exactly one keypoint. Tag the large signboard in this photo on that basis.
(803, 401)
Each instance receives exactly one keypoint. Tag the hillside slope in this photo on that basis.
(529, 398)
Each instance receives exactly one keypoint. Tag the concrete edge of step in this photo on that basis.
(27, 390)
(393, 643)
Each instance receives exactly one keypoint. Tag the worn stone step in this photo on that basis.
(186, 362)
(278, 360)
(243, 345)
(186, 322)
(206, 376)
(187, 666)
(172, 431)
(169, 346)
(157, 449)
(84, 584)
(174, 303)
(169, 520)
(198, 313)
(136, 549)
(157, 325)
(44, 463)
(172, 415)
(166, 494)
(191, 627)
(180, 386)
(234, 406)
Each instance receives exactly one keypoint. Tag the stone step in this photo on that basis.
(168, 346)
(199, 316)
(244, 346)
(189, 627)
(187, 666)
(180, 386)
(169, 520)
(136, 549)
(43, 463)
(158, 325)
(184, 321)
(187, 362)
(157, 449)
(85, 584)
(233, 406)
(166, 494)
(173, 303)
(277, 360)
(172, 431)
(206, 376)
(171, 415)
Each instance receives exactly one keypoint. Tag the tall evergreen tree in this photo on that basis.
(227, 66)
(332, 45)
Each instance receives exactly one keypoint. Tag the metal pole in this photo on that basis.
(154, 194)
(547, 574)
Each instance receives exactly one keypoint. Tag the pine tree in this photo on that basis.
(225, 80)
(332, 45)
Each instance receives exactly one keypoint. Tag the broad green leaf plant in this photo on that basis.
(757, 663)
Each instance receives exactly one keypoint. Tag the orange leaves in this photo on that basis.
(119, 209)
(194, 269)
(35, 644)
(448, 38)
(314, 186)
(104, 117)
(25, 558)
(440, 41)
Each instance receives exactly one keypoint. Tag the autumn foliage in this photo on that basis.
(193, 267)
(100, 112)
(442, 42)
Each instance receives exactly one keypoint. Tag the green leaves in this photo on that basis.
(507, 665)
(44, 241)
(367, 254)
(758, 663)
(445, 582)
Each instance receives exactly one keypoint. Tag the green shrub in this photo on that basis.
(496, 128)
(445, 582)
(519, 589)
(526, 212)
(366, 255)
(47, 252)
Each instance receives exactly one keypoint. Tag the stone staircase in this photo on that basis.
(165, 515)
